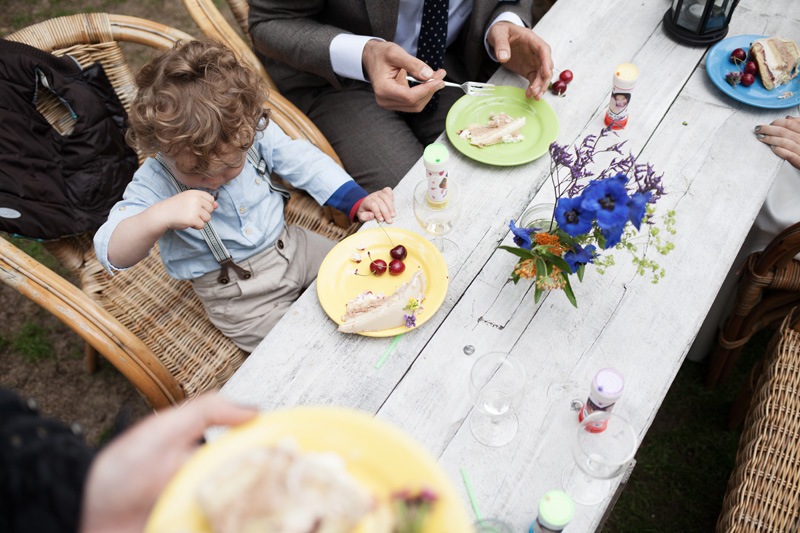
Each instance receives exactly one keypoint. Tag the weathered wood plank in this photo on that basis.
(717, 175)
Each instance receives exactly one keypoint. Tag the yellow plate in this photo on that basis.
(336, 283)
(377, 454)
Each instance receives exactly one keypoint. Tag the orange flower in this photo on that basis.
(546, 239)
(526, 269)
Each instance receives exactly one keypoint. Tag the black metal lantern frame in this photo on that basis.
(700, 22)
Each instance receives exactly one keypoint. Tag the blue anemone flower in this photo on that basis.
(572, 217)
(637, 207)
(580, 256)
(522, 236)
(609, 200)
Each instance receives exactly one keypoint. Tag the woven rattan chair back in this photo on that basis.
(768, 288)
(150, 326)
(763, 490)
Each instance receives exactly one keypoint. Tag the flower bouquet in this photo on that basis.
(591, 213)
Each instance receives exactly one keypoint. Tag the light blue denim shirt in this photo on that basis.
(250, 216)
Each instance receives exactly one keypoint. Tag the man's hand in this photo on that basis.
(378, 205)
(386, 65)
(522, 51)
(783, 136)
(128, 475)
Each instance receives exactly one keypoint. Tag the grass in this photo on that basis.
(688, 454)
(32, 343)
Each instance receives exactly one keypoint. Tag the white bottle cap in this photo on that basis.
(607, 387)
(625, 76)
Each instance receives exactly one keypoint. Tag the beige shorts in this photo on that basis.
(246, 310)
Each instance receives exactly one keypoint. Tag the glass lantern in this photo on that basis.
(700, 22)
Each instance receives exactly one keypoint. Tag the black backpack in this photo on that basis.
(54, 185)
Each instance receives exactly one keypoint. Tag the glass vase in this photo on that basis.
(538, 216)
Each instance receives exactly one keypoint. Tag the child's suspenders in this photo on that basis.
(210, 235)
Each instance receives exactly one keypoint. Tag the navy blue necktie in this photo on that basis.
(433, 39)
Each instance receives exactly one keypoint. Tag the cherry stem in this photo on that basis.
(386, 232)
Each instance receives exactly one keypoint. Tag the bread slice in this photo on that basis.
(500, 128)
(369, 312)
(778, 60)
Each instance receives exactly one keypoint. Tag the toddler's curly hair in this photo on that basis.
(197, 98)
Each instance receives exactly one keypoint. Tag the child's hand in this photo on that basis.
(189, 209)
(378, 205)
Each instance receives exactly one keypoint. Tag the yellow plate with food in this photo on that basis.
(308, 467)
(384, 305)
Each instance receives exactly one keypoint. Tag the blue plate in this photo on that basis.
(718, 64)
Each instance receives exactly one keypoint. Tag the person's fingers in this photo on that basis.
(388, 195)
(502, 48)
(189, 421)
(792, 157)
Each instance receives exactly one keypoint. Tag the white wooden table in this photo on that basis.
(716, 175)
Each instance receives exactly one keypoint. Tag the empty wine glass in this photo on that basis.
(438, 218)
(603, 447)
(497, 388)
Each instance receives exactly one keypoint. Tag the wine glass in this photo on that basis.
(604, 445)
(497, 387)
(438, 218)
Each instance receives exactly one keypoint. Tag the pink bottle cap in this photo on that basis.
(607, 387)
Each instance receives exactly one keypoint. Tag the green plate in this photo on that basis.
(540, 129)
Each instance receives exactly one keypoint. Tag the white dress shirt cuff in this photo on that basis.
(507, 16)
(346, 51)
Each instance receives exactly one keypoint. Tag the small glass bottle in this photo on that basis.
(435, 158)
(607, 387)
(625, 77)
(555, 512)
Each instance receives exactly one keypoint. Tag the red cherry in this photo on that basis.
(748, 79)
(751, 68)
(378, 267)
(398, 252)
(396, 267)
(738, 55)
(560, 87)
(566, 76)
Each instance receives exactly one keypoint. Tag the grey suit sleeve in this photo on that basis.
(522, 8)
(287, 31)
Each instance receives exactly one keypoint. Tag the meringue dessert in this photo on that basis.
(376, 312)
(500, 128)
(777, 60)
(283, 489)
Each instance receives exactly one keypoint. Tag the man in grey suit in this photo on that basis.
(344, 64)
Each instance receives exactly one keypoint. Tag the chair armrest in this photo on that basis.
(102, 331)
(211, 22)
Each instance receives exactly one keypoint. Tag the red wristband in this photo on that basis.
(354, 210)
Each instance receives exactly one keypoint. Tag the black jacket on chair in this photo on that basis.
(53, 185)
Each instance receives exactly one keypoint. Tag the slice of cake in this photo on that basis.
(777, 59)
(282, 488)
(375, 312)
(500, 128)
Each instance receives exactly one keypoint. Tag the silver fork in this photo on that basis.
(472, 88)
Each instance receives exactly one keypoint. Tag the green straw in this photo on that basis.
(471, 495)
(388, 351)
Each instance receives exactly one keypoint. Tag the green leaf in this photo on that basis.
(521, 252)
(541, 268)
(581, 270)
(569, 293)
(537, 294)
(556, 260)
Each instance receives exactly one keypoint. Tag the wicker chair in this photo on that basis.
(149, 326)
(769, 288)
(763, 490)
